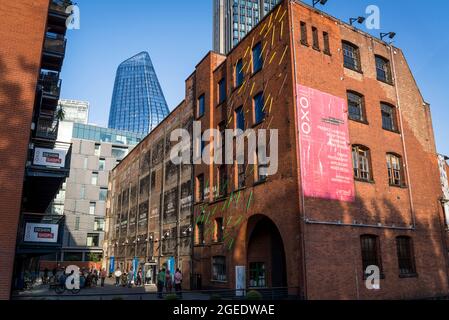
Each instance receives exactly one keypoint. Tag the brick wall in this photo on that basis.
(21, 36)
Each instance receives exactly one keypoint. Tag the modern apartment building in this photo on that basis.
(233, 19)
(35, 164)
(357, 184)
(82, 199)
(138, 103)
(75, 110)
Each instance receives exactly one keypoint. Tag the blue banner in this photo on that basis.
(111, 265)
(135, 267)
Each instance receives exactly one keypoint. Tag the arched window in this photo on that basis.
(370, 252)
(383, 70)
(361, 159)
(406, 256)
(389, 118)
(351, 56)
(395, 170)
(356, 106)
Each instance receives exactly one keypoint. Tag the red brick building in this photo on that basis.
(318, 247)
(32, 49)
(363, 191)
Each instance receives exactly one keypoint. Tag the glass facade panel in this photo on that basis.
(138, 103)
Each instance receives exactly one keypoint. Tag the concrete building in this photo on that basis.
(357, 184)
(82, 199)
(233, 19)
(75, 110)
(32, 42)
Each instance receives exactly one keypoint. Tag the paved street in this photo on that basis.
(108, 292)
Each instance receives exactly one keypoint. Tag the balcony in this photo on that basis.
(47, 168)
(47, 126)
(54, 51)
(49, 86)
(40, 233)
(57, 16)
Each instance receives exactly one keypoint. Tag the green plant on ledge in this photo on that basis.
(254, 295)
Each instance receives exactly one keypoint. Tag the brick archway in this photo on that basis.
(265, 254)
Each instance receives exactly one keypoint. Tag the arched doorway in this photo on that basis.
(265, 254)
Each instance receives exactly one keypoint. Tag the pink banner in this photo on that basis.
(325, 151)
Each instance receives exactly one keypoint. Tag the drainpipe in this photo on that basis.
(302, 208)
(404, 147)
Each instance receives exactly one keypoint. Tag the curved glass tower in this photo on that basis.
(138, 103)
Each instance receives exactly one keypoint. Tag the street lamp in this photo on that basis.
(390, 35)
(359, 20)
(322, 2)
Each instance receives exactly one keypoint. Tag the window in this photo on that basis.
(261, 170)
(92, 208)
(99, 224)
(257, 57)
(356, 106)
(327, 49)
(93, 240)
(370, 252)
(241, 176)
(388, 117)
(200, 187)
(351, 55)
(97, 150)
(219, 268)
(119, 153)
(395, 170)
(77, 223)
(103, 194)
(94, 178)
(102, 165)
(361, 159)
(316, 42)
(406, 257)
(199, 234)
(218, 230)
(201, 106)
(259, 108)
(383, 70)
(85, 162)
(222, 91)
(222, 181)
(257, 275)
(82, 192)
(240, 119)
(239, 75)
(304, 34)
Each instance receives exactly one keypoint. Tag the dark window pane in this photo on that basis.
(259, 108)
(406, 259)
(239, 76)
(351, 56)
(383, 70)
(240, 119)
(257, 57)
(388, 117)
(355, 106)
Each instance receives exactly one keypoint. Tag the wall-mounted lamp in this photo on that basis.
(322, 2)
(359, 20)
(390, 35)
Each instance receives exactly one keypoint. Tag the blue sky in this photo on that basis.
(178, 33)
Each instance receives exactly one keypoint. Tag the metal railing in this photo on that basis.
(60, 6)
(47, 128)
(50, 83)
(54, 43)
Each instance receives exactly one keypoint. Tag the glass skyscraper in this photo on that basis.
(138, 103)
(233, 19)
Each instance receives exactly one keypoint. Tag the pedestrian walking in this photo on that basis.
(117, 275)
(148, 276)
(130, 278)
(103, 275)
(160, 283)
(178, 283)
(139, 278)
(168, 282)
